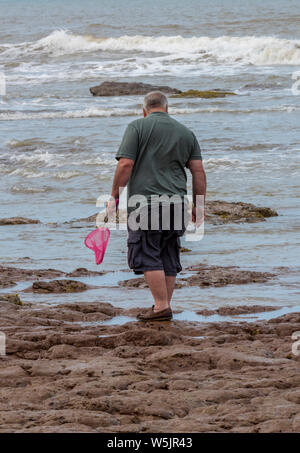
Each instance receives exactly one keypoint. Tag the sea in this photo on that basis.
(58, 142)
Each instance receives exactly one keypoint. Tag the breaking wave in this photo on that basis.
(87, 113)
(29, 173)
(101, 113)
(263, 50)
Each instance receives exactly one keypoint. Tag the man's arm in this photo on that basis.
(122, 175)
(121, 178)
(199, 183)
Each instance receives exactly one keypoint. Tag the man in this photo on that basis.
(152, 158)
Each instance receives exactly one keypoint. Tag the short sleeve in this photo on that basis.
(129, 145)
(196, 151)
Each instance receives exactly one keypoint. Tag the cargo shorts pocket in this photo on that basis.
(134, 243)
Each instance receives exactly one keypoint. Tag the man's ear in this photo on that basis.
(167, 108)
(145, 112)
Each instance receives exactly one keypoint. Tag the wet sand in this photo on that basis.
(71, 368)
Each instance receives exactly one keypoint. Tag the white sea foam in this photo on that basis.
(134, 66)
(45, 159)
(27, 189)
(29, 173)
(38, 158)
(221, 163)
(262, 50)
(106, 113)
(86, 113)
(27, 143)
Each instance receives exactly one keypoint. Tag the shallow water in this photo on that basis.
(57, 142)
(191, 316)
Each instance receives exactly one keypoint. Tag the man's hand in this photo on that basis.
(111, 210)
(198, 215)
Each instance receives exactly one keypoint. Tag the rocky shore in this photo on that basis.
(9, 276)
(216, 212)
(91, 367)
(67, 370)
(111, 88)
(204, 276)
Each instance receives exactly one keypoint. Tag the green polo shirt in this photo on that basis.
(161, 148)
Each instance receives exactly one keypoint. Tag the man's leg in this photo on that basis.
(170, 283)
(157, 284)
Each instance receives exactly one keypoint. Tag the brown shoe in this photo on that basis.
(151, 315)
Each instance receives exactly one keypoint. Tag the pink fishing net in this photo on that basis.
(97, 241)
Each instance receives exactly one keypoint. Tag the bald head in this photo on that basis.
(155, 101)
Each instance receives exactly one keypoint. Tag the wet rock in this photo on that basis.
(236, 212)
(46, 368)
(18, 221)
(12, 372)
(17, 274)
(108, 88)
(7, 307)
(275, 426)
(11, 298)
(184, 250)
(208, 94)
(222, 276)
(134, 283)
(206, 312)
(89, 219)
(59, 428)
(58, 286)
(83, 272)
(180, 357)
(6, 283)
(95, 307)
(286, 329)
(138, 337)
(291, 318)
(239, 310)
(216, 212)
(293, 396)
(296, 423)
(206, 276)
(63, 351)
(225, 311)
(236, 360)
(171, 377)
(9, 275)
